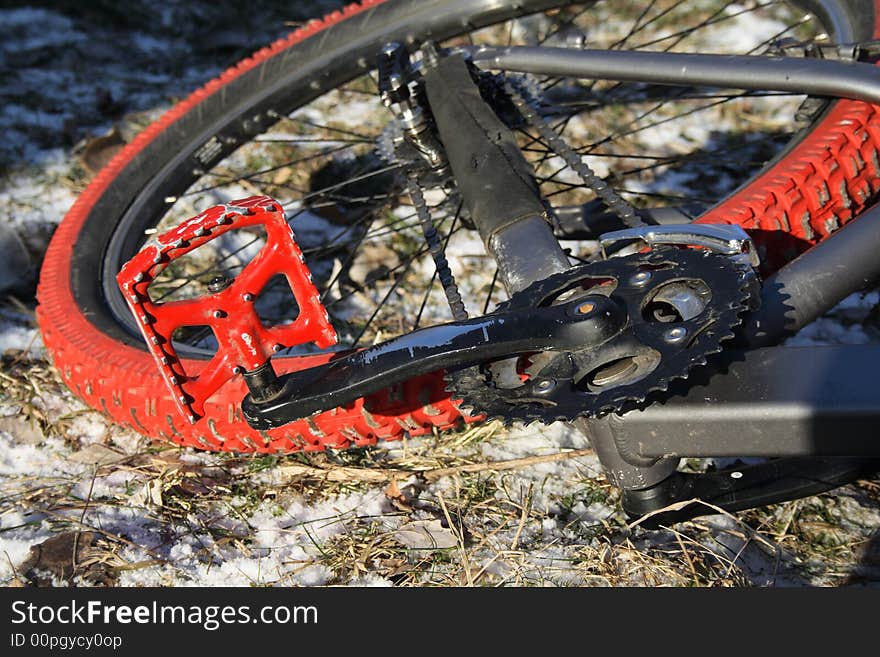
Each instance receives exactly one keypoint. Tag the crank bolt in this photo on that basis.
(676, 334)
(640, 278)
(586, 308)
(545, 386)
(218, 284)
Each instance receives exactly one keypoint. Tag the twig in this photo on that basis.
(687, 556)
(12, 566)
(341, 473)
(24, 351)
(382, 475)
(82, 518)
(459, 535)
(527, 504)
(513, 464)
(677, 506)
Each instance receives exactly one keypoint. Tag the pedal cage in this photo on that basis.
(244, 341)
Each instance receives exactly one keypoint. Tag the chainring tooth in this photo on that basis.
(731, 286)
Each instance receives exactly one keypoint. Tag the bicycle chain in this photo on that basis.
(438, 253)
(616, 203)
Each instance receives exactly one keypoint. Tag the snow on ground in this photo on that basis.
(140, 513)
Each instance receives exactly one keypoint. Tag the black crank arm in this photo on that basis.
(587, 321)
(751, 486)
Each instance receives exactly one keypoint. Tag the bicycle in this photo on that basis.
(641, 330)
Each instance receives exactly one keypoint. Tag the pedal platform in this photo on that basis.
(245, 342)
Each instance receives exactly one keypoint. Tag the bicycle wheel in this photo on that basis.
(300, 120)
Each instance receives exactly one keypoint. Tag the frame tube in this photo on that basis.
(816, 77)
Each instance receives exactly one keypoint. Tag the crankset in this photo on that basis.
(680, 305)
(581, 343)
(584, 342)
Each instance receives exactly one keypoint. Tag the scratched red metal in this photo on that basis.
(244, 341)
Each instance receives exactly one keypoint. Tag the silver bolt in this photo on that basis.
(138, 277)
(736, 475)
(544, 386)
(277, 347)
(219, 313)
(218, 284)
(247, 296)
(676, 334)
(237, 370)
(640, 278)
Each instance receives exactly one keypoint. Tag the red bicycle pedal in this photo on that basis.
(244, 341)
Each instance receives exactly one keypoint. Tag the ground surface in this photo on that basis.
(86, 502)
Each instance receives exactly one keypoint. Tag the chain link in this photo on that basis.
(612, 199)
(438, 253)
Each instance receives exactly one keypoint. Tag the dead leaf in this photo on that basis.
(392, 492)
(425, 535)
(54, 559)
(100, 150)
(191, 487)
(149, 494)
(27, 433)
(402, 499)
(373, 262)
(393, 567)
(97, 454)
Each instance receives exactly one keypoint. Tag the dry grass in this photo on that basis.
(509, 523)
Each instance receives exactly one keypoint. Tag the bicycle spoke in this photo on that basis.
(491, 291)
(328, 128)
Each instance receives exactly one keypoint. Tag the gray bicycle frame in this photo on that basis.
(806, 75)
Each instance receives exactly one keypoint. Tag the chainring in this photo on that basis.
(681, 305)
